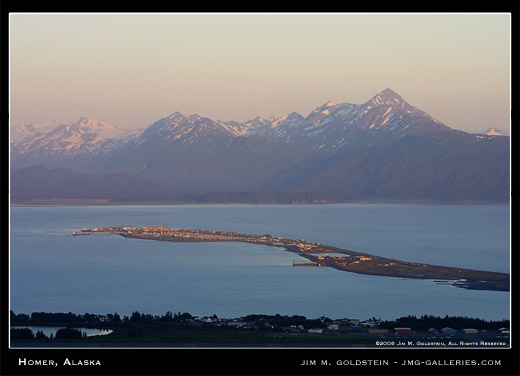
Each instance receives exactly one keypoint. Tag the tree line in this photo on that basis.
(62, 333)
(423, 322)
(89, 318)
(426, 322)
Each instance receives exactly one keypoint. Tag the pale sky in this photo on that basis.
(131, 69)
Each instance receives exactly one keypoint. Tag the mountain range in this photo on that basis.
(384, 149)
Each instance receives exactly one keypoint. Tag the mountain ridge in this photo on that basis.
(384, 148)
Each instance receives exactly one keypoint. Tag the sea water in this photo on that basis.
(53, 271)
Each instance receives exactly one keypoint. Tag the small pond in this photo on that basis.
(48, 330)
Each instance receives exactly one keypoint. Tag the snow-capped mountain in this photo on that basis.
(188, 129)
(492, 131)
(63, 139)
(194, 153)
(389, 112)
(21, 132)
(335, 127)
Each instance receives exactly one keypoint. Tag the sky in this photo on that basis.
(132, 69)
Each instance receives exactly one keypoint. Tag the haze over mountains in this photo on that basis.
(383, 149)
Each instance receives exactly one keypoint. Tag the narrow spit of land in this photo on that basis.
(318, 255)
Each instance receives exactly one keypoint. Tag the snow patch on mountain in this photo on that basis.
(256, 125)
(492, 131)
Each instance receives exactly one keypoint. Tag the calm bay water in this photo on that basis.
(52, 271)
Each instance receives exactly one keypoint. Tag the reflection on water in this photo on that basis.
(48, 330)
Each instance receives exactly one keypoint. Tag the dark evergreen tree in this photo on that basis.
(136, 316)
(22, 333)
(65, 333)
(40, 335)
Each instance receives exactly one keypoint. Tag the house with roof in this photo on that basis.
(448, 330)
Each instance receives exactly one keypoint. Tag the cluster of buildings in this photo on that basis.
(446, 331)
(339, 326)
(95, 230)
(336, 326)
(173, 234)
(343, 261)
